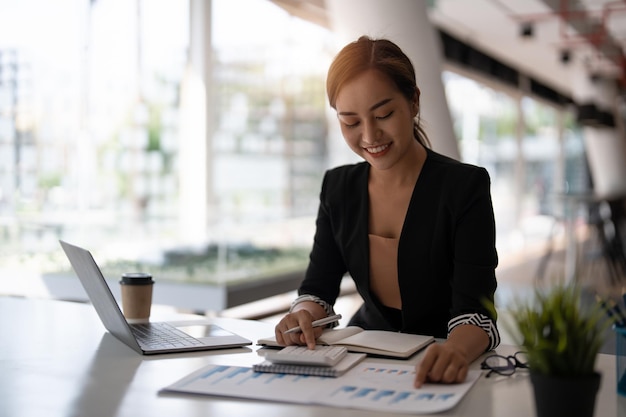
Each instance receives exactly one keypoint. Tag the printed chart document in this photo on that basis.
(376, 342)
(368, 386)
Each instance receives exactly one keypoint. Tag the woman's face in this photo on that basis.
(376, 119)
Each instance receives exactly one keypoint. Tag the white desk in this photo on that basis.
(61, 362)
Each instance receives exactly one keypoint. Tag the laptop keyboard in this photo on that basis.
(162, 336)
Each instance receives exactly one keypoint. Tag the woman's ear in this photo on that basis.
(415, 103)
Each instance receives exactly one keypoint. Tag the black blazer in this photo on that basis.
(446, 252)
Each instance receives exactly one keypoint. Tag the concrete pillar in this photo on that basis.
(194, 147)
(406, 23)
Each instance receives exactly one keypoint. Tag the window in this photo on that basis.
(527, 169)
(90, 131)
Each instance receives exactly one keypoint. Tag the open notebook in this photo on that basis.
(373, 342)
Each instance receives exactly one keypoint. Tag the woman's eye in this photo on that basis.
(385, 116)
(349, 125)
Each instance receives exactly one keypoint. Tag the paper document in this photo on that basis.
(368, 386)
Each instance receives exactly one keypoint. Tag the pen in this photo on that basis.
(316, 323)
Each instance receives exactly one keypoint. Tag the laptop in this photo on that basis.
(146, 338)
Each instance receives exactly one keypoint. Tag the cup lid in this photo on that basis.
(136, 278)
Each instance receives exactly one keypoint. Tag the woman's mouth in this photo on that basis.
(377, 150)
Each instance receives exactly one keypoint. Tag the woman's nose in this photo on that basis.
(371, 132)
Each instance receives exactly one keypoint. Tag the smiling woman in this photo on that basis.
(413, 228)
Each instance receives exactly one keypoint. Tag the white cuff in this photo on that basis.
(481, 321)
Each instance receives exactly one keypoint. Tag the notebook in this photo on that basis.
(146, 338)
(372, 342)
(339, 369)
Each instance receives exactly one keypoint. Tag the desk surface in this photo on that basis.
(62, 362)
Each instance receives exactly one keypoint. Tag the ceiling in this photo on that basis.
(566, 36)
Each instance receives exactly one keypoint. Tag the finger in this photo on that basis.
(289, 321)
(424, 367)
(462, 374)
(455, 373)
(317, 331)
(292, 339)
(451, 373)
(307, 337)
(279, 331)
(438, 369)
(279, 336)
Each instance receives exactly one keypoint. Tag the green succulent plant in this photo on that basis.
(561, 337)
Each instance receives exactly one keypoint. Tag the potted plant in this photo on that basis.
(562, 339)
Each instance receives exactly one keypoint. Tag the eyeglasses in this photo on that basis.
(504, 365)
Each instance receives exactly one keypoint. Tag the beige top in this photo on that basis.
(390, 193)
(384, 270)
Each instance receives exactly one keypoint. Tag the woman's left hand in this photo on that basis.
(442, 362)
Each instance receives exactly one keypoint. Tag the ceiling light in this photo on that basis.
(526, 30)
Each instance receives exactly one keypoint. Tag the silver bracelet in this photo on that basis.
(330, 311)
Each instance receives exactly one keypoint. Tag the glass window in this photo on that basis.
(90, 123)
(527, 170)
(485, 122)
(540, 150)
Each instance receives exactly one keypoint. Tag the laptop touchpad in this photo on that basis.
(201, 331)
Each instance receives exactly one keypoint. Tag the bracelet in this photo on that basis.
(330, 311)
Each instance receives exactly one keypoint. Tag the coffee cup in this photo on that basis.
(136, 296)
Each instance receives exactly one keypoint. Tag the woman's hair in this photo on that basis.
(384, 56)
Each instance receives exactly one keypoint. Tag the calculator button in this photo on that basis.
(320, 356)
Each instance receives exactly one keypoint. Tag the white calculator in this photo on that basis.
(301, 355)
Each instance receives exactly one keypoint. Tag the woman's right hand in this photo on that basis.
(307, 336)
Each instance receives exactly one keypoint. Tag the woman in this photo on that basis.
(414, 229)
